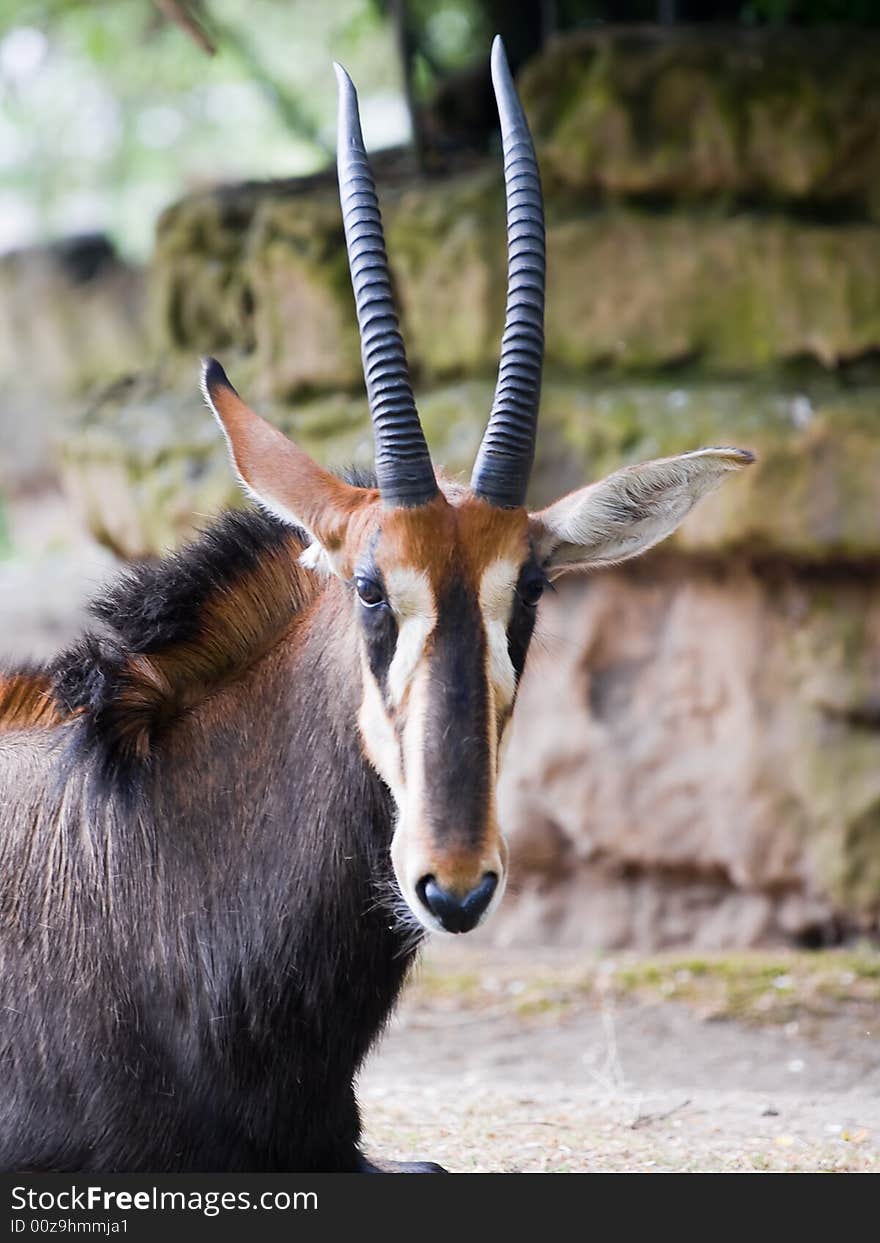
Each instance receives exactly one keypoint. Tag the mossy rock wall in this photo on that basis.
(786, 117)
(711, 197)
(697, 753)
(144, 463)
(695, 759)
(627, 288)
(72, 316)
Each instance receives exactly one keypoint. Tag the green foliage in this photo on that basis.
(108, 111)
(811, 12)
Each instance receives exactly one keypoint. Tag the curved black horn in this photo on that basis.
(403, 463)
(504, 462)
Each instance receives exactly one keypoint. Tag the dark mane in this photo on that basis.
(172, 631)
(159, 603)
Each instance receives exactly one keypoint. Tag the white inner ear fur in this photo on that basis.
(318, 558)
(496, 604)
(631, 510)
(380, 740)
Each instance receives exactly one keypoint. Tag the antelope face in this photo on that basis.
(445, 598)
(445, 581)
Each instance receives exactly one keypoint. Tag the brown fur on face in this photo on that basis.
(449, 569)
(455, 535)
(325, 503)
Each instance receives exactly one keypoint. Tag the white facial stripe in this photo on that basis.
(412, 816)
(380, 740)
(496, 603)
(411, 598)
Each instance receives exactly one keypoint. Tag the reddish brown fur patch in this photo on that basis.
(236, 628)
(26, 702)
(282, 474)
(440, 538)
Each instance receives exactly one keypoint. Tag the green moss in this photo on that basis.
(198, 285)
(859, 886)
(758, 114)
(304, 319)
(817, 448)
(641, 290)
(446, 246)
(630, 288)
(752, 987)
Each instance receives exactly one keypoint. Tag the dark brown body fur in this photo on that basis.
(195, 952)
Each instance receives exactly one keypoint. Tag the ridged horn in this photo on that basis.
(403, 463)
(504, 462)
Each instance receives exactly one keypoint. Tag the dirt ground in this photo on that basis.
(547, 1063)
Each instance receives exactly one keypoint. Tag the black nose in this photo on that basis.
(457, 914)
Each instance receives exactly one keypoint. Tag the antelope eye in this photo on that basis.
(369, 592)
(530, 591)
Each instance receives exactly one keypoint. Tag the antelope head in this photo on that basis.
(444, 580)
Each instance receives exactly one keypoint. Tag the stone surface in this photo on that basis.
(627, 288)
(696, 758)
(198, 301)
(139, 479)
(710, 197)
(146, 463)
(305, 328)
(50, 568)
(72, 315)
(638, 290)
(784, 117)
(446, 244)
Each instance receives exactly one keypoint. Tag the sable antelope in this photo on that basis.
(227, 817)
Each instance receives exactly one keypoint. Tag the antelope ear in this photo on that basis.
(630, 511)
(277, 474)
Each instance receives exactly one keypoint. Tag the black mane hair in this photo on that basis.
(173, 629)
(158, 603)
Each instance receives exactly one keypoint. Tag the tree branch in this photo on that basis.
(178, 12)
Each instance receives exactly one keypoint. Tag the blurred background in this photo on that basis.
(696, 757)
(692, 790)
